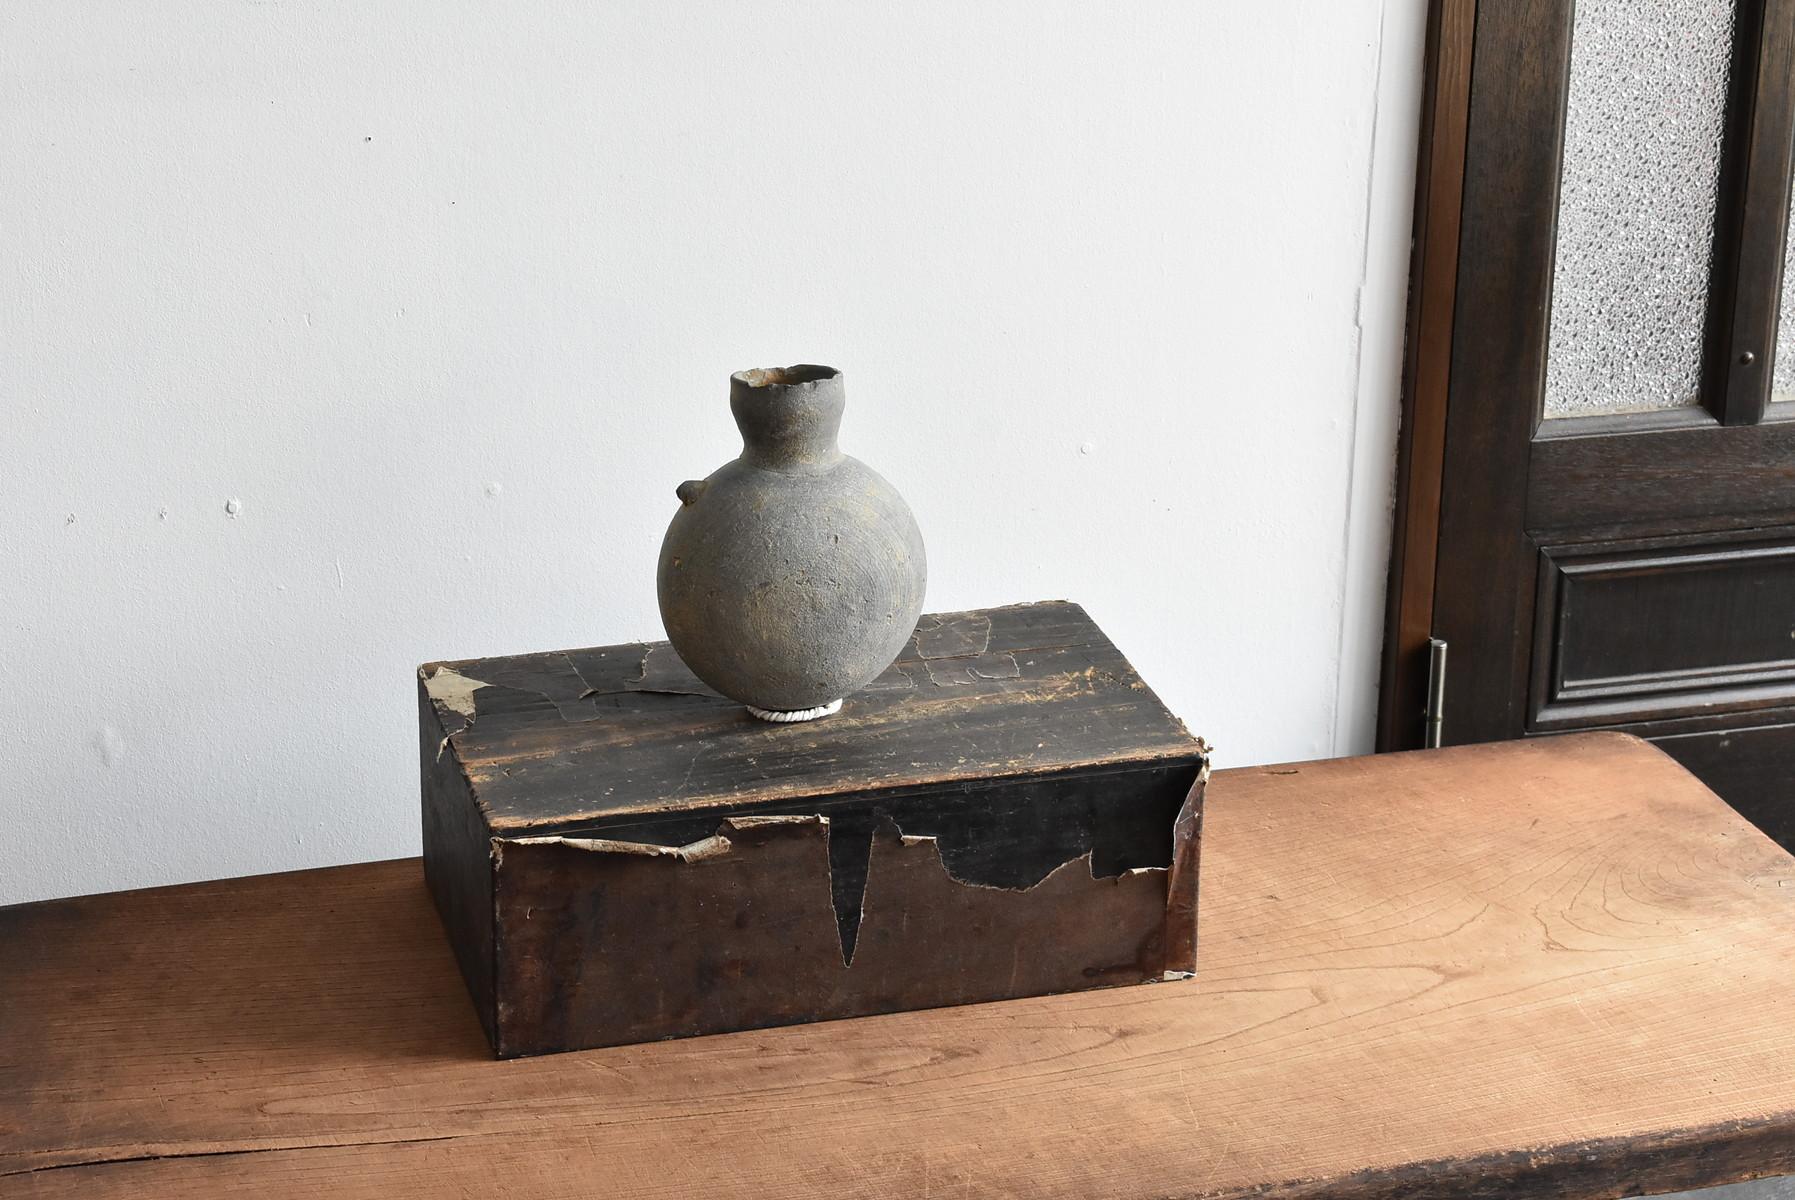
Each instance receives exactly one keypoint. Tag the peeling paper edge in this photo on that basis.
(1182, 883)
(453, 690)
(717, 845)
(750, 822)
(908, 840)
(965, 621)
(448, 689)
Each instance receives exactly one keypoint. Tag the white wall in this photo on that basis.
(335, 337)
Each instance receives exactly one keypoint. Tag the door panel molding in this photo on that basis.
(1720, 611)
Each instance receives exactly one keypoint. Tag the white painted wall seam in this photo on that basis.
(1380, 306)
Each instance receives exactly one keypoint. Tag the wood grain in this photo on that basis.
(1718, 643)
(584, 737)
(1663, 480)
(1749, 231)
(1485, 565)
(1547, 968)
(1426, 372)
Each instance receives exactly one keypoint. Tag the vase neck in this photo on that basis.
(789, 416)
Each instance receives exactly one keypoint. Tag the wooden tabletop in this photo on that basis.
(1553, 968)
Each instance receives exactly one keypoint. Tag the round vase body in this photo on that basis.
(794, 575)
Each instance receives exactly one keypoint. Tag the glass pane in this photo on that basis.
(1782, 370)
(1643, 126)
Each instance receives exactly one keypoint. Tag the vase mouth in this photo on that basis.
(797, 375)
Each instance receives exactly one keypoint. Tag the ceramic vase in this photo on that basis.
(793, 575)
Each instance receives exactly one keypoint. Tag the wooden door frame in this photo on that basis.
(1426, 371)
(1497, 76)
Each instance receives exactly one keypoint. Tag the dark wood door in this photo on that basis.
(1596, 503)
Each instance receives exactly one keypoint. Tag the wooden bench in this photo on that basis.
(1558, 968)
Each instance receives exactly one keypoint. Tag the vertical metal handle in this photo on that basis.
(1436, 693)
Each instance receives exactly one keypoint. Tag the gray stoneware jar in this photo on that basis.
(794, 575)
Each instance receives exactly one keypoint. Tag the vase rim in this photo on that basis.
(797, 375)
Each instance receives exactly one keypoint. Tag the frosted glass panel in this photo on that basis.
(1642, 136)
(1782, 371)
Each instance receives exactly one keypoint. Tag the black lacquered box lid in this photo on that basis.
(559, 739)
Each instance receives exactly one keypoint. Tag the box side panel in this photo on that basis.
(1181, 885)
(603, 941)
(928, 939)
(1004, 833)
(458, 863)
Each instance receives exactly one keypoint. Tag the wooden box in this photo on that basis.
(619, 854)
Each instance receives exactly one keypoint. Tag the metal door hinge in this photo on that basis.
(1435, 713)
